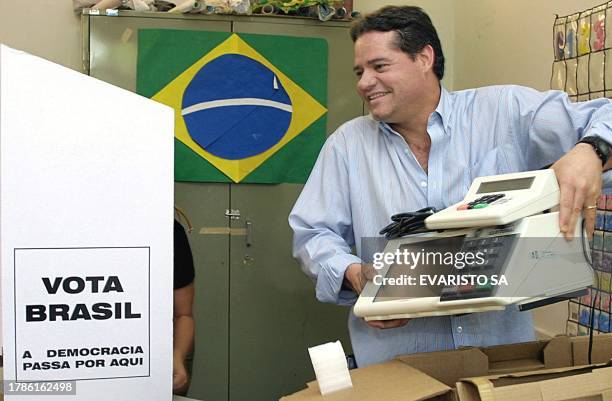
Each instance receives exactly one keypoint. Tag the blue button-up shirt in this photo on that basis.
(366, 172)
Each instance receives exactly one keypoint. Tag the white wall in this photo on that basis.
(46, 28)
(508, 41)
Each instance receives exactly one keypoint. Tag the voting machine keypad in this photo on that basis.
(494, 252)
(481, 202)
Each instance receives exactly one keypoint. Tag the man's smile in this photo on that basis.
(377, 95)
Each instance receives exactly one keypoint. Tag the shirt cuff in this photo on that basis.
(607, 181)
(606, 136)
(330, 277)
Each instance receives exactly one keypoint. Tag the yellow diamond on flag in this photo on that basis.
(235, 133)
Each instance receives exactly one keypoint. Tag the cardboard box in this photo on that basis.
(432, 376)
(389, 381)
(558, 352)
(450, 366)
(589, 383)
(602, 349)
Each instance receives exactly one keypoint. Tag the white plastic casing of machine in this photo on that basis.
(509, 218)
(519, 195)
(540, 264)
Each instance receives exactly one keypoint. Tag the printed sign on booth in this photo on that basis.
(66, 297)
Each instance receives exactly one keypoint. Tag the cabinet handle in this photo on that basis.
(249, 233)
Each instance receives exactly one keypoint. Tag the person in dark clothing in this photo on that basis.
(184, 274)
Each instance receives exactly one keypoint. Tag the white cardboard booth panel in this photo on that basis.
(86, 220)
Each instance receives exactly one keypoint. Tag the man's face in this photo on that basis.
(389, 81)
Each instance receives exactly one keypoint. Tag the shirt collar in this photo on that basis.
(444, 110)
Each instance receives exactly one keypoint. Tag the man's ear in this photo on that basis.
(426, 57)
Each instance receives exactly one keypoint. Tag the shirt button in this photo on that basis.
(459, 329)
(423, 184)
(406, 150)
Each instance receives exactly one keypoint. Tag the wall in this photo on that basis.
(46, 28)
(506, 41)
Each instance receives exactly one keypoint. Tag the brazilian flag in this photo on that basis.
(248, 108)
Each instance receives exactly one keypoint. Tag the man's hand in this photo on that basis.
(579, 176)
(387, 324)
(356, 276)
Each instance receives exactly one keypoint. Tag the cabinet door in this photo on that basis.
(205, 206)
(274, 316)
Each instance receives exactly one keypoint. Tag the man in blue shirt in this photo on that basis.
(423, 146)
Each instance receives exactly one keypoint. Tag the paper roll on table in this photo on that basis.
(331, 369)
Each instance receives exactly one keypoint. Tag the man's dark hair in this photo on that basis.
(413, 27)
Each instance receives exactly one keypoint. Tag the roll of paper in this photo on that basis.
(184, 7)
(107, 4)
(198, 8)
(78, 5)
(139, 5)
(268, 9)
(325, 12)
(331, 369)
(341, 12)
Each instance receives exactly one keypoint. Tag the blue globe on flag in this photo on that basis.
(235, 107)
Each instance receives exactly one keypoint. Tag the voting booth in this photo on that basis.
(86, 220)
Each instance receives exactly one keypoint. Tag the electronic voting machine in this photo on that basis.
(500, 245)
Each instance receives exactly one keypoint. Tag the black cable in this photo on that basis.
(589, 261)
(407, 223)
